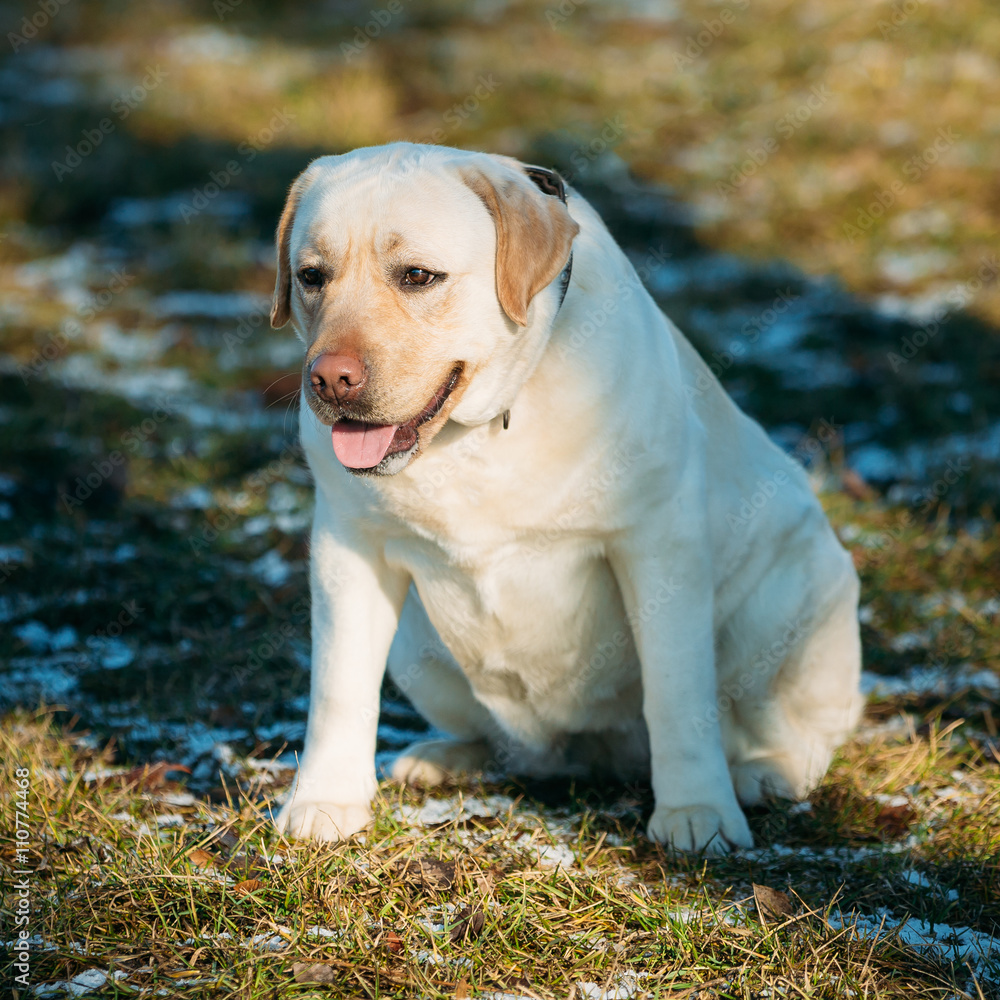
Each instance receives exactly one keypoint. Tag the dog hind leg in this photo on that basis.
(784, 737)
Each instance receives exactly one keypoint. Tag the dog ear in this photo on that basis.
(534, 233)
(281, 304)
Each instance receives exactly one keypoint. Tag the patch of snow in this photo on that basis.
(325, 932)
(954, 943)
(112, 653)
(215, 305)
(922, 681)
(266, 942)
(271, 569)
(257, 525)
(134, 212)
(907, 641)
(838, 855)
(435, 811)
(212, 44)
(28, 679)
(555, 856)
(916, 878)
(875, 463)
(907, 268)
(81, 984)
(39, 638)
(83, 371)
(193, 498)
(625, 986)
(177, 798)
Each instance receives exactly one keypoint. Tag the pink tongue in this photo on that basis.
(362, 446)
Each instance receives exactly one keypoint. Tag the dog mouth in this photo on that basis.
(362, 446)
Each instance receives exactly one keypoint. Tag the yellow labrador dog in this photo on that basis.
(537, 506)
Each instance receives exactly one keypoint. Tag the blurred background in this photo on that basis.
(810, 189)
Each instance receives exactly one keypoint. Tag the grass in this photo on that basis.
(211, 902)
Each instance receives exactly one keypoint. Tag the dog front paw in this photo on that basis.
(322, 820)
(700, 828)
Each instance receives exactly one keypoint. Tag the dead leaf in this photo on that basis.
(895, 818)
(516, 983)
(393, 942)
(247, 886)
(772, 904)
(202, 859)
(426, 874)
(462, 990)
(152, 776)
(469, 924)
(312, 972)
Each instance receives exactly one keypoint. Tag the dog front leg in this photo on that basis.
(668, 592)
(356, 602)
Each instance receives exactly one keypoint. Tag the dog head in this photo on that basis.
(414, 276)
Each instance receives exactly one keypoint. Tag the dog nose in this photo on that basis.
(338, 378)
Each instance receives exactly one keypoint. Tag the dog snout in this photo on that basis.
(338, 378)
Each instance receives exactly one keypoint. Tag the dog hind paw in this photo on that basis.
(433, 762)
(758, 780)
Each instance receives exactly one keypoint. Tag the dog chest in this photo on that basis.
(527, 621)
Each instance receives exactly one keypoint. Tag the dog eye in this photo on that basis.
(418, 276)
(311, 276)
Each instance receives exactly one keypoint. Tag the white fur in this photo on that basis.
(582, 591)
